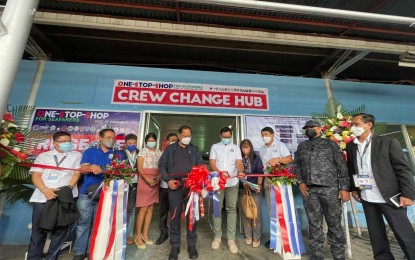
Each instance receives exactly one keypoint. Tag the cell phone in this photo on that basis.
(396, 200)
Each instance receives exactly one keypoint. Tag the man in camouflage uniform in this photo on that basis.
(324, 184)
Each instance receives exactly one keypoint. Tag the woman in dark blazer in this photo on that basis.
(253, 165)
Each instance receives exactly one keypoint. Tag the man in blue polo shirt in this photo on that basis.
(93, 160)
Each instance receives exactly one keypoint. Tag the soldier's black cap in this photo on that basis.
(313, 123)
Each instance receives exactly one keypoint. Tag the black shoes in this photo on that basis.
(267, 244)
(163, 237)
(174, 253)
(193, 254)
(79, 257)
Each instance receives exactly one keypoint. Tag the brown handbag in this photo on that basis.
(249, 207)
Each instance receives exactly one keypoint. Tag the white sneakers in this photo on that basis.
(232, 247)
(248, 241)
(231, 243)
(216, 243)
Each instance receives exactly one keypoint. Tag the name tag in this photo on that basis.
(362, 181)
(53, 176)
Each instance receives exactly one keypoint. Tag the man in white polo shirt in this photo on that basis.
(49, 183)
(226, 157)
(272, 153)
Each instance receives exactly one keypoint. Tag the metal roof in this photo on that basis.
(77, 44)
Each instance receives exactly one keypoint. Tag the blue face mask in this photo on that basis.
(226, 141)
(65, 147)
(131, 147)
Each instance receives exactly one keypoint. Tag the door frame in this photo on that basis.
(238, 131)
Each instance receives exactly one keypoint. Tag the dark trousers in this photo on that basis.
(176, 200)
(397, 219)
(324, 201)
(38, 237)
(132, 193)
(163, 209)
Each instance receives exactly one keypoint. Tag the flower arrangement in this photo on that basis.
(11, 139)
(117, 170)
(337, 122)
(283, 174)
(338, 128)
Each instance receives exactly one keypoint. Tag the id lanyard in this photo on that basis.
(247, 165)
(132, 159)
(362, 156)
(60, 162)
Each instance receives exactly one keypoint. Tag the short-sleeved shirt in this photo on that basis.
(95, 155)
(151, 158)
(275, 150)
(55, 178)
(225, 157)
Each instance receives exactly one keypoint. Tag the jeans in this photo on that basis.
(38, 237)
(231, 195)
(88, 210)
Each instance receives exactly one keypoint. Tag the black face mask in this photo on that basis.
(311, 133)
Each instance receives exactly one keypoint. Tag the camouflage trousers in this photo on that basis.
(323, 201)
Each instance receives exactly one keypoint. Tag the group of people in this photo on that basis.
(325, 181)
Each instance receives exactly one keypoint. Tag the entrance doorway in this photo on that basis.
(205, 127)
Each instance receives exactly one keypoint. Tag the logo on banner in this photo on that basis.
(193, 95)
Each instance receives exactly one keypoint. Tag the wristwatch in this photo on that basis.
(70, 186)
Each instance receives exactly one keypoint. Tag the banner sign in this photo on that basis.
(83, 125)
(189, 94)
(287, 129)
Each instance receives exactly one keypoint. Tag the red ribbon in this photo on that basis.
(283, 224)
(113, 229)
(14, 152)
(202, 208)
(191, 212)
(97, 223)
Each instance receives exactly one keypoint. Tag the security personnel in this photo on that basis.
(324, 184)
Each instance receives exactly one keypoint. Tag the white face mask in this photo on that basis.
(357, 130)
(172, 142)
(266, 139)
(151, 144)
(186, 140)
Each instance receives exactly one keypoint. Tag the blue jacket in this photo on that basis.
(166, 160)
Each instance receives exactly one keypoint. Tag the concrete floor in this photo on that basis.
(360, 246)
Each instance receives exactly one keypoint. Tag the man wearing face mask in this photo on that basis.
(380, 172)
(131, 153)
(272, 153)
(176, 161)
(226, 157)
(94, 159)
(324, 183)
(164, 199)
(50, 185)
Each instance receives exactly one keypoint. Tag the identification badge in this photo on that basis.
(53, 176)
(362, 181)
